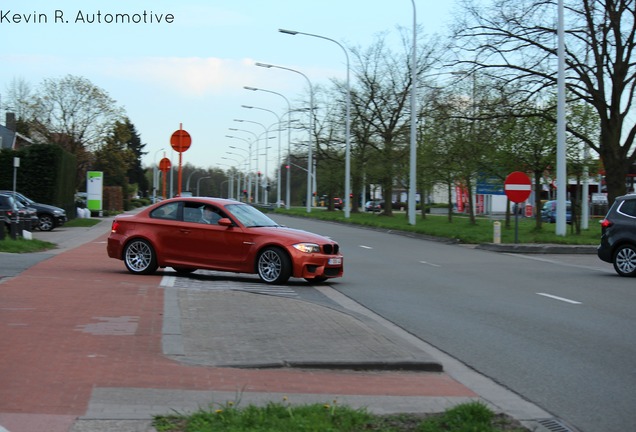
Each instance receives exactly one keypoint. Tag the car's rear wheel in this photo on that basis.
(625, 260)
(45, 222)
(273, 266)
(140, 257)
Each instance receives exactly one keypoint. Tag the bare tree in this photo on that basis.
(515, 41)
(380, 103)
(18, 95)
(75, 114)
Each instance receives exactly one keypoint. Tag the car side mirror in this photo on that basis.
(225, 222)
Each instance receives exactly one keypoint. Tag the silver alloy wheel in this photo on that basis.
(140, 257)
(625, 261)
(273, 266)
(269, 265)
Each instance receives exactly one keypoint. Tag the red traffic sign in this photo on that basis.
(180, 140)
(164, 165)
(517, 186)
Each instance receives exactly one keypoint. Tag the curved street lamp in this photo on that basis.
(249, 161)
(198, 184)
(266, 156)
(347, 120)
(287, 186)
(311, 127)
(257, 154)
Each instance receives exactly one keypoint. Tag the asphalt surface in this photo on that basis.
(89, 347)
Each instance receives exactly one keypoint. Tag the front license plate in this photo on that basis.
(335, 261)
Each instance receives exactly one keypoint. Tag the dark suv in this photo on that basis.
(49, 216)
(618, 238)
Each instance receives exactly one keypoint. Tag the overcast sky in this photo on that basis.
(187, 62)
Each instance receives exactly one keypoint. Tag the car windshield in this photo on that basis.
(249, 216)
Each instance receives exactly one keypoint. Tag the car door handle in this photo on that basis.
(185, 231)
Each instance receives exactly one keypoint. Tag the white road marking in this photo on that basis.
(559, 298)
(431, 264)
(365, 247)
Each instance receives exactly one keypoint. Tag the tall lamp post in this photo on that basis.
(413, 161)
(347, 121)
(155, 178)
(249, 163)
(311, 127)
(199, 182)
(266, 157)
(257, 154)
(288, 187)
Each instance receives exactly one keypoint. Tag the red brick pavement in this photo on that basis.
(79, 320)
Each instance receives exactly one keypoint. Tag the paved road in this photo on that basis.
(557, 329)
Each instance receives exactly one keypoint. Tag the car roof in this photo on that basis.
(209, 200)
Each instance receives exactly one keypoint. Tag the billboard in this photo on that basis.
(94, 190)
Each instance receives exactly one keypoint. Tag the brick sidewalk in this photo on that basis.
(79, 321)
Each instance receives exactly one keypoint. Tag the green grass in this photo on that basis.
(20, 245)
(276, 417)
(460, 228)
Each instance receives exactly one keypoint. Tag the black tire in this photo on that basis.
(140, 257)
(625, 260)
(46, 222)
(273, 266)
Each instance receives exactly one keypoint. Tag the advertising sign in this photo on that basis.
(94, 190)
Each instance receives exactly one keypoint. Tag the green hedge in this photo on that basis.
(46, 174)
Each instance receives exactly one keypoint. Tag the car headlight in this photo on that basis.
(307, 247)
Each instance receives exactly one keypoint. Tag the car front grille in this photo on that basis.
(331, 249)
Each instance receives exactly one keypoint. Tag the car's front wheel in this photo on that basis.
(625, 260)
(140, 257)
(45, 222)
(273, 266)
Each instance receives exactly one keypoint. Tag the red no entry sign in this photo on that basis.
(517, 186)
(180, 140)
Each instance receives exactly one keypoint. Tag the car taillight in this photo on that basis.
(606, 223)
(115, 226)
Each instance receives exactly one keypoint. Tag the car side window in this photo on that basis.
(168, 211)
(202, 213)
(628, 207)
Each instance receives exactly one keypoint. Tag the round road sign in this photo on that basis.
(517, 186)
(164, 165)
(180, 141)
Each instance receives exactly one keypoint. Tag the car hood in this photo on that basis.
(48, 207)
(292, 235)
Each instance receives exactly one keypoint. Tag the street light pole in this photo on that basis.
(347, 121)
(198, 183)
(413, 161)
(266, 156)
(249, 162)
(311, 127)
(288, 187)
(155, 178)
(257, 154)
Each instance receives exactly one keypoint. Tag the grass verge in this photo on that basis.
(459, 228)
(276, 417)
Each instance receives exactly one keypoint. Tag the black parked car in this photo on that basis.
(618, 238)
(15, 209)
(49, 216)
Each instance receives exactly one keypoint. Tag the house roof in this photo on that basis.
(8, 138)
